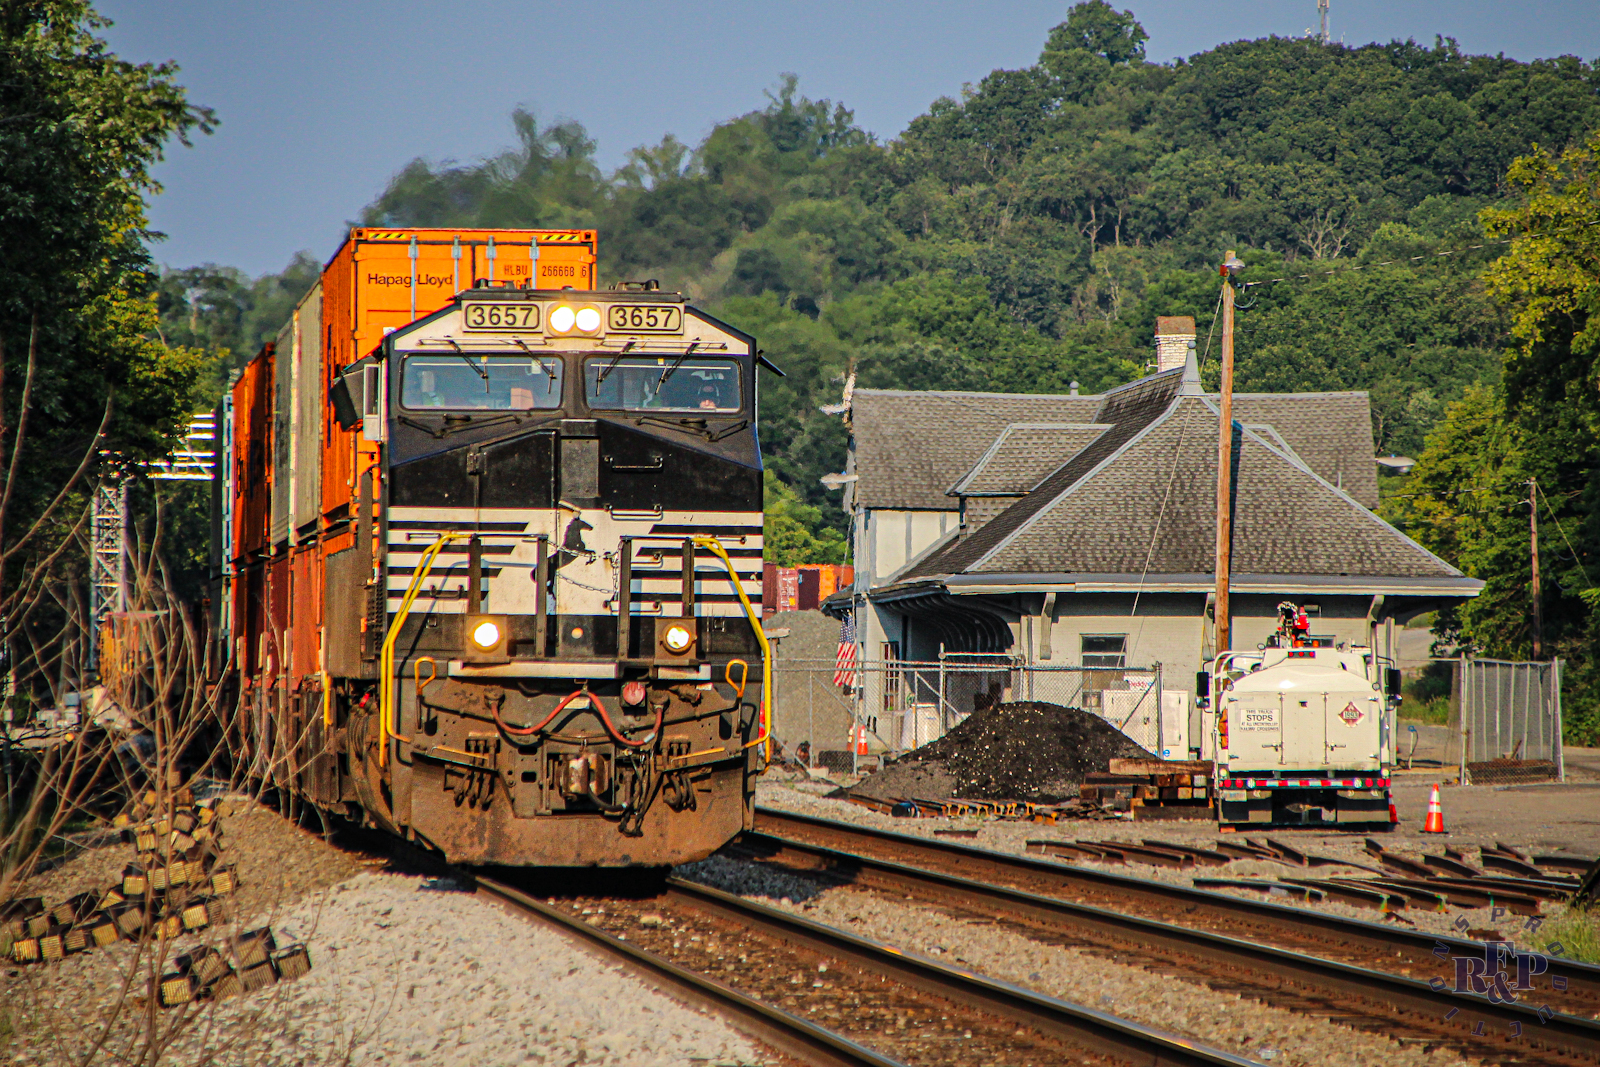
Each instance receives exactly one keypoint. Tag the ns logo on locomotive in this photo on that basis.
(488, 555)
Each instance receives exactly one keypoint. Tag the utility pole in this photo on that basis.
(1533, 534)
(1230, 267)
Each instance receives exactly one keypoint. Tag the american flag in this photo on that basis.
(844, 664)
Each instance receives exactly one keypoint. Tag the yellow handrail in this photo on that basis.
(386, 658)
(765, 739)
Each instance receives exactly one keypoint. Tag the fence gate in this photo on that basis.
(1510, 721)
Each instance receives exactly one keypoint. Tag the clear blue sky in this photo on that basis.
(322, 100)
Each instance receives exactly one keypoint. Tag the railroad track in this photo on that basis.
(1349, 940)
(789, 1034)
(985, 884)
(879, 1001)
(770, 970)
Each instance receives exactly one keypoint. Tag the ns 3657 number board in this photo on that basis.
(500, 316)
(644, 318)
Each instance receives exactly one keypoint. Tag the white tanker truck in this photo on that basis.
(1302, 731)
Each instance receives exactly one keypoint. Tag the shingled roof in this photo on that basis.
(1023, 454)
(1331, 432)
(1126, 410)
(910, 447)
(1152, 508)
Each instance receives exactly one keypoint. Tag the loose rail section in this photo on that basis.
(1475, 1026)
(1328, 935)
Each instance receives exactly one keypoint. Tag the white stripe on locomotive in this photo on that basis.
(586, 583)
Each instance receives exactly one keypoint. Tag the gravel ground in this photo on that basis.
(404, 969)
(277, 863)
(805, 798)
(1223, 1020)
(915, 1026)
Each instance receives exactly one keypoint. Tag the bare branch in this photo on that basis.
(22, 422)
(88, 457)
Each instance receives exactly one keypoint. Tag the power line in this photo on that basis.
(1209, 331)
(1445, 492)
(1420, 259)
(1575, 558)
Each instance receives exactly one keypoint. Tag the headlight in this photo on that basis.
(486, 635)
(562, 318)
(588, 319)
(677, 639)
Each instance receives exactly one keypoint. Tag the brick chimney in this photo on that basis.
(1174, 335)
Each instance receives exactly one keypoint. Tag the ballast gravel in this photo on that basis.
(805, 798)
(1237, 1024)
(416, 970)
(404, 969)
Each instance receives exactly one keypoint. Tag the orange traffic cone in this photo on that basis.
(1434, 823)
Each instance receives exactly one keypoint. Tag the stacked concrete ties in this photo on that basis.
(178, 883)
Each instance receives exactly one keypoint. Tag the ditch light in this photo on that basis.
(486, 635)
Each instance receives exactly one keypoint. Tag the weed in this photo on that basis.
(1434, 712)
(1578, 931)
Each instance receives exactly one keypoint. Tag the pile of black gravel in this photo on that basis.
(1023, 751)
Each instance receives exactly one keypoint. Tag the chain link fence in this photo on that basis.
(832, 717)
(1510, 721)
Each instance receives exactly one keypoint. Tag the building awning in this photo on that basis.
(961, 624)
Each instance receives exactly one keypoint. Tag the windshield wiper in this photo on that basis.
(677, 363)
(600, 380)
(467, 359)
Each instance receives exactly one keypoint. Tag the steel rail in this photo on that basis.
(1078, 1025)
(1264, 919)
(1084, 1027)
(771, 1026)
(1391, 995)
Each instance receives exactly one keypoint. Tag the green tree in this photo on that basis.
(1551, 280)
(794, 533)
(84, 379)
(1099, 29)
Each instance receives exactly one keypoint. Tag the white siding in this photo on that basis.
(895, 538)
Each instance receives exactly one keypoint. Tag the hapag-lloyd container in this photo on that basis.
(296, 472)
(366, 291)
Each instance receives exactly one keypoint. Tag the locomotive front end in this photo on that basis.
(563, 608)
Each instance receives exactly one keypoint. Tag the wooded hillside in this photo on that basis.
(1025, 232)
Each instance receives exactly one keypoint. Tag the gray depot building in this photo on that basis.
(1082, 529)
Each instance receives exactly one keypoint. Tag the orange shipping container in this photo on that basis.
(381, 279)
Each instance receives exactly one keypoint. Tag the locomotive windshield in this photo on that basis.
(471, 381)
(645, 383)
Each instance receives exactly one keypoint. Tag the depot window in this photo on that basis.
(645, 383)
(469, 381)
(1105, 650)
